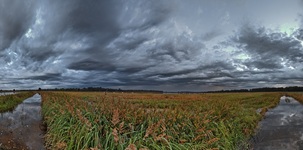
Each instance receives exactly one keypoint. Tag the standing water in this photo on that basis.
(23, 128)
(282, 127)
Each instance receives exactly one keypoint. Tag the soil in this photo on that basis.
(22, 129)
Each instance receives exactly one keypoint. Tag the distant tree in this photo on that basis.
(39, 89)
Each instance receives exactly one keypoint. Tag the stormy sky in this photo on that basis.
(171, 45)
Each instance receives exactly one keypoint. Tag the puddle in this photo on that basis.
(22, 128)
(282, 127)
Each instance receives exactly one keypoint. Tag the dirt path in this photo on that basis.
(22, 128)
(282, 127)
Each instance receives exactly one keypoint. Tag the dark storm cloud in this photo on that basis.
(183, 77)
(47, 77)
(39, 54)
(263, 64)
(89, 65)
(131, 44)
(93, 18)
(299, 34)
(38, 31)
(266, 57)
(142, 15)
(129, 36)
(149, 44)
(179, 49)
(42, 37)
(94, 36)
(217, 69)
(268, 47)
(16, 17)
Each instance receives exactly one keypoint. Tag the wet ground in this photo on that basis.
(23, 128)
(282, 128)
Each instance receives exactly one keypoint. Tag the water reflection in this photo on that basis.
(282, 127)
(23, 125)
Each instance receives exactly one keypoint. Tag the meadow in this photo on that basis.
(98, 120)
(296, 95)
(9, 102)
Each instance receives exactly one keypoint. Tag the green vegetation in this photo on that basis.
(152, 121)
(9, 102)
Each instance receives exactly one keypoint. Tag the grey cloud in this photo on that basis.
(186, 76)
(14, 23)
(267, 47)
(130, 44)
(89, 65)
(52, 22)
(264, 64)
(216, 69)
(273, 58)
(130, 36)
(179, 49)
(47, 77)
(39, 54)
(92, 18)
(210, 35)
(150, 44)
(142, 15)
(106, 66)
(299, 34)
(130, 40)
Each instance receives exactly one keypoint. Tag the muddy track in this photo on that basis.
(23, 128)
(282, 127)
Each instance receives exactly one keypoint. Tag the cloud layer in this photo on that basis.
(164, 45)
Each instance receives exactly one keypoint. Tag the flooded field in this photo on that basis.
(22, 128)
(282, 127)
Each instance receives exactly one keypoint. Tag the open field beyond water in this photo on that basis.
(78, 120)
(9, 100)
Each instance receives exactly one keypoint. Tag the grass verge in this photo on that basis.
(9, 102)
(296, 95)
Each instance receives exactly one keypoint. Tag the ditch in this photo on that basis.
(22, 128)
(281, 128)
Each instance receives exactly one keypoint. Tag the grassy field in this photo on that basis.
(78, 120)
(296, 95)
(9, 102)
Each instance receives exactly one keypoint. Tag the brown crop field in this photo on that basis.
(98, 120)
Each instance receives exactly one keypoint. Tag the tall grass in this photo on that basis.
(152, 121)
(9, 102)
(296, 95)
